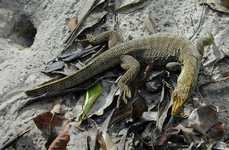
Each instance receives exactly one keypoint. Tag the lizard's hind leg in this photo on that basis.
(132, 67)
(112, 37)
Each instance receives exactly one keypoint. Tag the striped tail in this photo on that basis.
(95, 67)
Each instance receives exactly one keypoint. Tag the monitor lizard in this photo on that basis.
(129, 55)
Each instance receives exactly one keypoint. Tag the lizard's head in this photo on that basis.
(205, 40)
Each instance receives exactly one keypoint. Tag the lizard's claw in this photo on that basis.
(125, 93)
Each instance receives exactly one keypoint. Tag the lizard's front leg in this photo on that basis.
(112, 37)
(132, 67)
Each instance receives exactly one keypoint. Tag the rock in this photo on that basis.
(173, 66)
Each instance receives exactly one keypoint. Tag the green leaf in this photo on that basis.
(91, 96)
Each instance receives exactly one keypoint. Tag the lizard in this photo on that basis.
(161, 47)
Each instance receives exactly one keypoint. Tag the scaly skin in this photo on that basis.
(157, 47)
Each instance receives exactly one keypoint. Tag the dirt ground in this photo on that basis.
(24, 55)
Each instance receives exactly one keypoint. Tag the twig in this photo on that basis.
(201, 21)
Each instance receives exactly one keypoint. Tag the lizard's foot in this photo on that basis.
(111, 37)
(89, 38)
(125, 92)
(132, 67)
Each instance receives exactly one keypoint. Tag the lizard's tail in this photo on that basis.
(95, 67)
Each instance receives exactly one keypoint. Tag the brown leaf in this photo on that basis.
(202, 118)
(105, 141)
(61, 141)
(216, 131)
(72, 23)
(48, 120)
(170, 131)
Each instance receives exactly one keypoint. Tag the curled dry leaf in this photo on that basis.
(50, 125)
(61, 141)
(105, 141)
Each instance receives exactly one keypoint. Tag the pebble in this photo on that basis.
(173, 66)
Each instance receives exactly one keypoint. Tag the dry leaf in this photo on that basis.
(216, 131)
(202, 118)
(92, 21)
(105, 141)
(51, 125)
(61, 141)
(56, 109)
(48, 120)
(72, 23)
(59, 65)
(218, 5)
(85, 11)
(128, 5)
(105, 99)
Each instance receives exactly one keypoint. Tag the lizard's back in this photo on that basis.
(155, 47)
